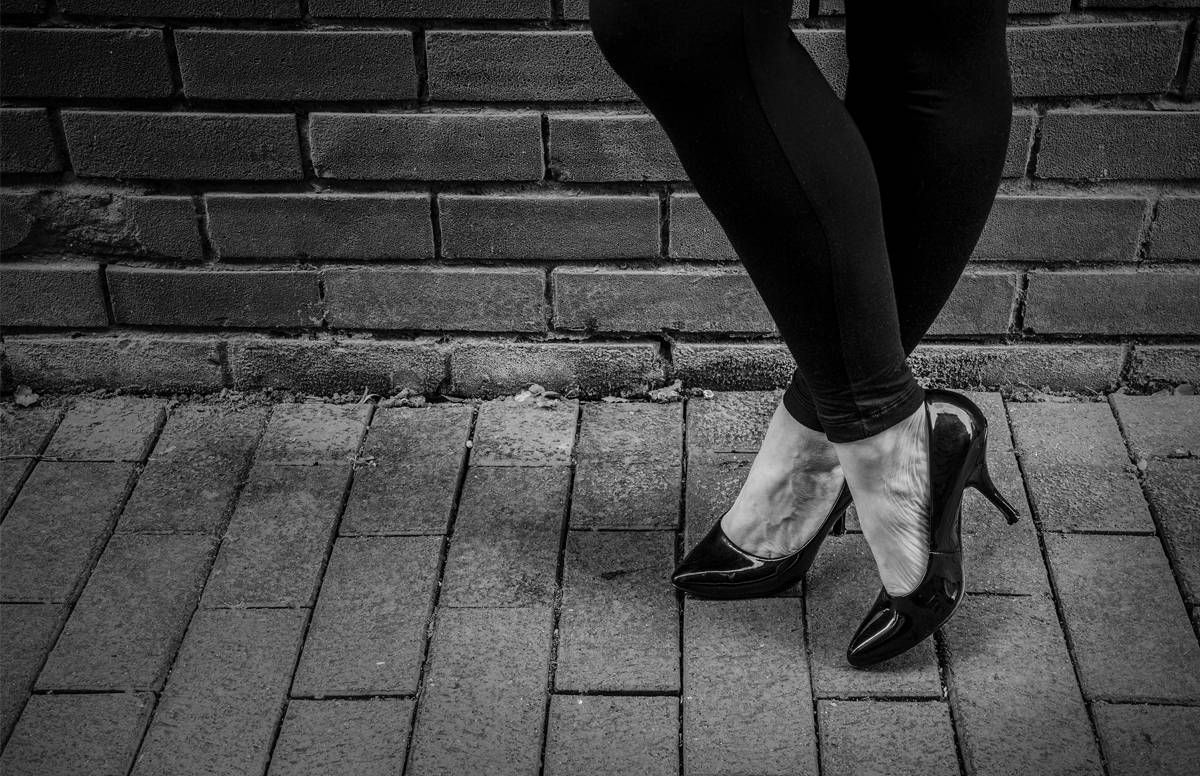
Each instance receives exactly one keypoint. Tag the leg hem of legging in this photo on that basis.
(801, 412)
(878, 420)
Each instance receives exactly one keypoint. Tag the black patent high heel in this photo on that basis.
(718, 568)
(957, 458)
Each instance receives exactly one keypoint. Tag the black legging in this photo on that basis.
(854, 220)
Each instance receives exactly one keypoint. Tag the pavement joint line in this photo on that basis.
(443, 554)
(58, 419)
(944, 674)
(1159, 531)
(1068, 640)
(678, 545)
(333, 537)
(556, 604)
(247, 464)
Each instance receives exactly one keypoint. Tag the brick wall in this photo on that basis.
(461, 195)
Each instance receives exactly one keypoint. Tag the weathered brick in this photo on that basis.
(427, 146)
(320, 226)
(56, 528)
(236, 9)
(630, 648)
(214, 298)
(1117, 144)
(278, 537)
(51, 295)
(28, 144)
(483, 704)
(912, 738)
(21, 7)
(627, 735)
(1128, 626)
(1079, 475)
(1168, 363)
(828, 50)
(511, 433)
(1062, 227)
(650, 300)
(16, 219)
(495, 65)
(732, 365)
(1083, 302)
(628, 466)
(327, 366)
(27, 633)
(183, 145)
(1086, 59)
(118, 429)
(343, 738)
(313, 433)
(297, 65)
(1159, 426)
(87, 63)
(166, 225)
(77, 735)
(1174, 489)
(748, 716)
(611, 147)
(472, 298)
(578, 9)
(504, 551)
(981, 303)
(492, 368)
(158, 362)
(1020, 134)
(440, 9)
(842, 584)
(1148, 739)
(599, 226)
(417, 458)
(1069, 367)
(367, 635)
(695, 232)
(1175, 234)
(222, 704)
(991, 642)
(129, 620)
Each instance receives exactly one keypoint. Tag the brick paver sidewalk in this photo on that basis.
(482, 588)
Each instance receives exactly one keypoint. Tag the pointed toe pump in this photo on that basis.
(957, 458)
(718, 568)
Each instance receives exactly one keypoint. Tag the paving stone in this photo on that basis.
(602, 735)
(12, 474)
(129, 620)
(1160, 426)
(617, 494)
(1140, 740)
(343, 738)
(842, 583)
(483, 704)
(117, 429)
(77, 735)
(417, 460)
(24, 431)
(306, 434)
(367, 635)
(27, 632)
(183, 496)
(638, 432)
(747, 702)
(277, 540)
(1127, 624)
(619, 621)
(203, 431)
(1077, 468)
(1013, 689)
(1173, 488)
(504, 551)
(889, 738)
(57, 527)
(511, 433)
(730, 422)
(222, 703)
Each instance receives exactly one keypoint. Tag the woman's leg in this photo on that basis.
(930, 91)
(777, 158)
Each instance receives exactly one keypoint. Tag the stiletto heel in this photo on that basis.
(718, 568)
(981, 480)
(957, 457)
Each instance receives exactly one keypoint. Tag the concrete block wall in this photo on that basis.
(461, 196)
